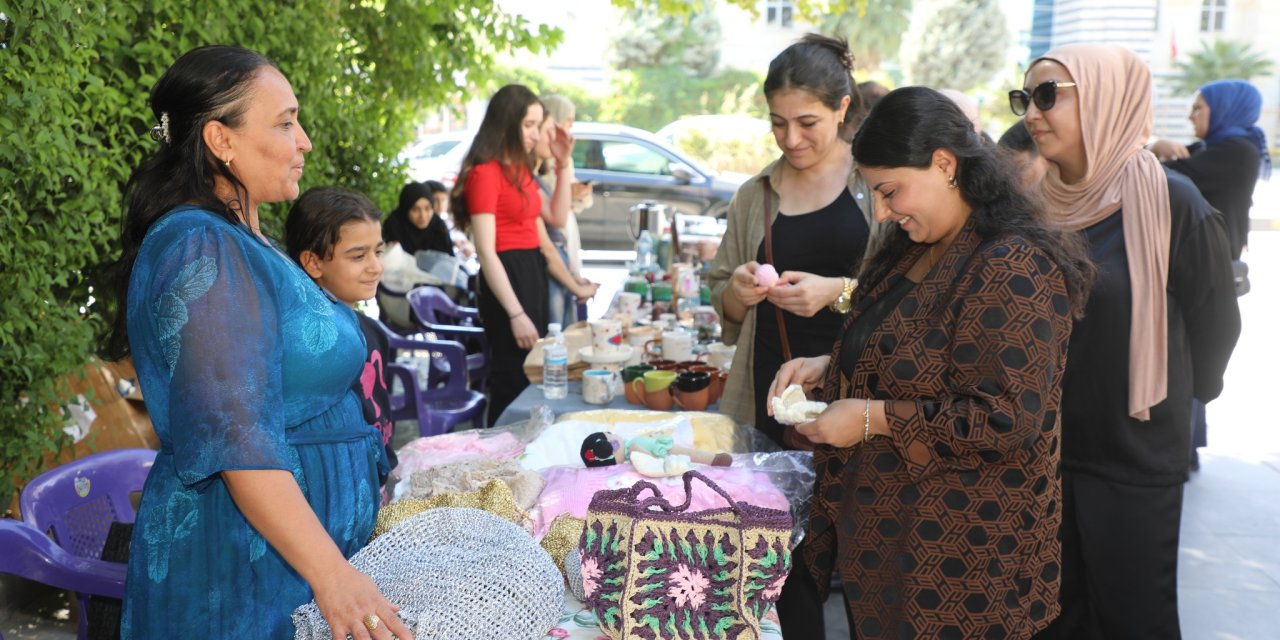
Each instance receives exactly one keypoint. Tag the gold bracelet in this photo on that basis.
(866, 422)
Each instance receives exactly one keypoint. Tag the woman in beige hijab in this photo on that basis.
(1159, 327)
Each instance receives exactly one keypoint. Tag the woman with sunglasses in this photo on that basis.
(1158, 328)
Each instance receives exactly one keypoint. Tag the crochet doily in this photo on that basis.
(458, 574)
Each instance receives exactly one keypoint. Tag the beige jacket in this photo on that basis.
(741, 240)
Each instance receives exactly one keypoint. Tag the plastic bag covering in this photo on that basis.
(498, 443)
(458, 574)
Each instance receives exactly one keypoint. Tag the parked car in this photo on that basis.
(627, 166)
(438, 156)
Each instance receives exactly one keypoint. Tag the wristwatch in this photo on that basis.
(843, 303)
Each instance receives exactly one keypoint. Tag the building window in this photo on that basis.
(1213, 15)
(779, 12)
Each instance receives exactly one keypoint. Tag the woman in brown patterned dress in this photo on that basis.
(937, 492)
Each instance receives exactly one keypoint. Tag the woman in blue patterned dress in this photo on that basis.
(267, 476)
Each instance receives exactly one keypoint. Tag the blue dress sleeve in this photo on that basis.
(216, 319)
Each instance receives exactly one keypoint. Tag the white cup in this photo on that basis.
(606, 336)
(599, 386)
(720, 355)
(677, 346)
(628, 303)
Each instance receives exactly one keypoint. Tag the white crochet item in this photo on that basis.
(457, 574)
(792, 407)
(573, 573)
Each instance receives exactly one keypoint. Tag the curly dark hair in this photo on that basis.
(906, 127)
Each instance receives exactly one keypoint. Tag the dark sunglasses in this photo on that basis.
(1045, 95)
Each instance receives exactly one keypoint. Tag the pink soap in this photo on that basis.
(766, 275)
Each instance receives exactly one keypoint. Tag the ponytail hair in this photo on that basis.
(204, 84)
(822, 66)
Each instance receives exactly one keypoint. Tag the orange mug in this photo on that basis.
(658, 400)
(718, 379)
(691, 400)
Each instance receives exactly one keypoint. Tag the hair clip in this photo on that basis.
(160, 132)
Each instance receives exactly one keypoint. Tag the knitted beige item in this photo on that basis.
(470, 475)
(457, 574)
(494, 497)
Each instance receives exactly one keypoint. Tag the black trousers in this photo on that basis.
(527, 271)
(1119, 561)
(800, 606)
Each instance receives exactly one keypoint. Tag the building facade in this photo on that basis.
(1163, 32)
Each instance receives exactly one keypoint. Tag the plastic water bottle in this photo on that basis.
(555, 366)
(644, 249)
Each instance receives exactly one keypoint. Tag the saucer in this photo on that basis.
(589, 355)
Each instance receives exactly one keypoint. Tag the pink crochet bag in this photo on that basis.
(653, 570)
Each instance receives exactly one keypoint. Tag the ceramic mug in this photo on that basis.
(716, 389)
(677, 345)
(655, 387)
(628, 303)
(692, 380)
(631, 373)
(606, 336)
(720, 355)
(598, 386)
(691, 400)
(665, 365)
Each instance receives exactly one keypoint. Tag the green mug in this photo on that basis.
(635, 371)
(657, 380)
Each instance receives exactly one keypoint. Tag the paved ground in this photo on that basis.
(1229, 570)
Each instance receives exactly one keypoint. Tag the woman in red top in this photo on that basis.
(498, 200)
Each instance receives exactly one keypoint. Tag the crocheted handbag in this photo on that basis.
(651, 570)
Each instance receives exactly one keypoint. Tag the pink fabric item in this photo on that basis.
(766, 275)
(423, 453)
(569, 490)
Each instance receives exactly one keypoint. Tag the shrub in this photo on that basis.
(74, 121)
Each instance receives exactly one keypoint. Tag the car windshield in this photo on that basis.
(437, 149)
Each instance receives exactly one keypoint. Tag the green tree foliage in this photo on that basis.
(961, 44)
(874, 30)
(649, 38)
(650, 97)
(74, 120)
(1220, 60)
(587, 105)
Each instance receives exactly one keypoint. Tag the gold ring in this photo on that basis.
(371, 622)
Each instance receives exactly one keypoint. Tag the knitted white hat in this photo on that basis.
(458, 573)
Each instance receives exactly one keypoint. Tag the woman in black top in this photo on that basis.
(414, 223)
(1159, 326)
(1226, 163)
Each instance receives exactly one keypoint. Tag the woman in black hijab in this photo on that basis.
(414, 223)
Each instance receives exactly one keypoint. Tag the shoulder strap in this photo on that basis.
(768, 256)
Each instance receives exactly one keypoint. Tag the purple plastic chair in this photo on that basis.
(67, 512)
(436, 313)
(30, 554)
(446, 402)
